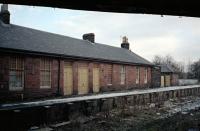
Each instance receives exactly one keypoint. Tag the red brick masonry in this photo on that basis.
(32, 88)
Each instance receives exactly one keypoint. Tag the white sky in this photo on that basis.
(148, 35)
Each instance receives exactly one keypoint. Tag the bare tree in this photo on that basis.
(195, 70)
(169, 60)
(157, 60)
(189, 70)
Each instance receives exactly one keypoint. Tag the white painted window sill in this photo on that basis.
(45, 87)
(16, 88)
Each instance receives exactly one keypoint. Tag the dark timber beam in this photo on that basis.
(161, 7)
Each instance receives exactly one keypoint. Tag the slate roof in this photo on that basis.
(27, 39)
(166, 69)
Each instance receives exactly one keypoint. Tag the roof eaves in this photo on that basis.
(8, 50)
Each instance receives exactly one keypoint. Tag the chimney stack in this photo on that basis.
(90, 37)
(5, 14)
(125, 43)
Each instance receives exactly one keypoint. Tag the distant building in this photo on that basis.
(156, 76)
(168, 76)
(35, 64)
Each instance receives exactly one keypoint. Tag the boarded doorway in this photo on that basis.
(168, 80)
(82, 80)
(95, 80)
(162, 81)
(68, 78)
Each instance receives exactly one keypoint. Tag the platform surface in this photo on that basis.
(49, 102)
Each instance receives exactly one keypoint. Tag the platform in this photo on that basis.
(49, 102)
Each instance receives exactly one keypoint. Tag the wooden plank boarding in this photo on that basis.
(162, 81)
(167, 80)
(68, 79)
(83, 80)
(96, 80)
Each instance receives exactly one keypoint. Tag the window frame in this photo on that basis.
(45, 71)
(16, 69)
(123, 74)
(145, 75)
(137, 81)
(110, 75)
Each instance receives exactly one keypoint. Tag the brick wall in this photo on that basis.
(32, 88)
(32, 78)
(130, 82)
(75, 77)
(156, 77)
(174, 80)
(31, 81)
(61, 77)
(4, 73)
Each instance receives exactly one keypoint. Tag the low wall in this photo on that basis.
(83, 106)
(183, 82)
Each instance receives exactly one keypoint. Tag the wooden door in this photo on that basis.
(95, 80)
(162, 81)
(167, 80)
(68, 79)
(82, 80)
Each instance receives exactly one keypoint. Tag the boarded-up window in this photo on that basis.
(95, 80)
(16, 73)
(83, 80)
(123, 74)
(109, 75)
(145, 75)
(45, 73)
(167, 80)
(68, 78)
(137, 75)
(162, 81)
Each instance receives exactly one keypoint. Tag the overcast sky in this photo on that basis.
(148, 35)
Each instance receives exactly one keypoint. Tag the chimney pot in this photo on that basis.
(5, 14)
(90, 37)
(125, 43)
